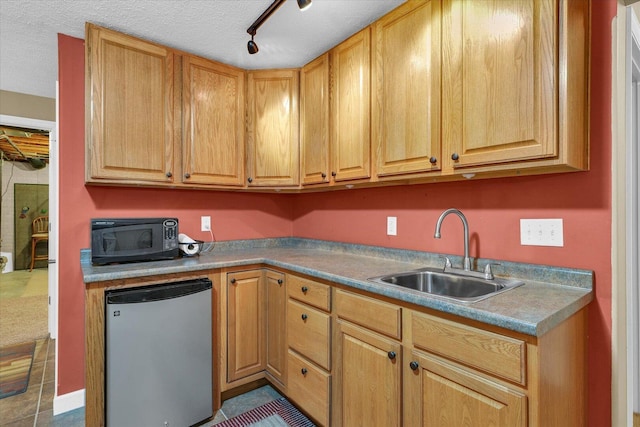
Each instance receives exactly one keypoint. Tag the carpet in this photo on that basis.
(23, 319)
(15, 368)
(278, 413)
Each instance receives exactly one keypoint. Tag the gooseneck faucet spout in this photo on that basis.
(465, 224)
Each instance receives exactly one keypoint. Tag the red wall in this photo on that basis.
(493, 208)
(233, 215)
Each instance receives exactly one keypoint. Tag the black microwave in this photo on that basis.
(118, 240)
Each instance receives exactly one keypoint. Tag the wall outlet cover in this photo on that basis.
(392, 226)
(205, 223)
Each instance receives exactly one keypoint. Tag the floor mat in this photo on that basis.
(15, 368)
(278, 413)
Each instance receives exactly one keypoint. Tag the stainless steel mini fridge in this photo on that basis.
(158, 355)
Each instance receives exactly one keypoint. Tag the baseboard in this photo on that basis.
(68, 402)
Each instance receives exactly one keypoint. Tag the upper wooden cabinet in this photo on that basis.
(406, 89)
(350, 108)
(434, 90)
(514, 84)
(213, 128)
(272, 128)
(314, 121)
(130, 116)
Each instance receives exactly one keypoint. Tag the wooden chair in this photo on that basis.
(39, 233)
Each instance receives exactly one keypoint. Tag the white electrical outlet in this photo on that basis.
(392, 226)
(541, 232)
(205, 223)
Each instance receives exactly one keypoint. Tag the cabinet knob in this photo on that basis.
(169, 174)
(433, 160)
(414, 366)
(304, 316)
(333, 174)
(233, 280)
(250, 180)
(279, 281)
(392, 355)
(324, 175)
(455, 156)
(304, 289)
(304, 371)
(187, 175)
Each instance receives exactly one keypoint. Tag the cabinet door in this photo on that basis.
(245, 323)
(276, 325)
(499, 86)
(406, 89)
(350, 107)
(440, 393)
(272, 128)
(213, 112)
(314, 121)
(130, 114)
(370, 377)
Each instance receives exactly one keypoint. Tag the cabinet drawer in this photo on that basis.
(309, 387)
(308, 332)
(375, 315)
(496, 354)
(309, 292)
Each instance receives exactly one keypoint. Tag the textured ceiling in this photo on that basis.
(214, 29)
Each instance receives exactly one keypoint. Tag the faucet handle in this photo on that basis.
(488, 274)
(447, 261)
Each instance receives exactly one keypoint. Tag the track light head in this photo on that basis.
(252, 47)
(304, 4)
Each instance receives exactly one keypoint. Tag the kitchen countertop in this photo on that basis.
(549, 296)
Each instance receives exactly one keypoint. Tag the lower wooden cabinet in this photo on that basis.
(369, 381)
(349, 358)
(440, 393)
(276, 357)
(245, 324)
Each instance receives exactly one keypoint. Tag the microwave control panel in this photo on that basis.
(170, 227)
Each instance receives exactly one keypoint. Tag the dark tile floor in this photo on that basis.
(34, 407)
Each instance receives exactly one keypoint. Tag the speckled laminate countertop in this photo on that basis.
(549, 296)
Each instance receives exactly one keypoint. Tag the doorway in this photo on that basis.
(52, 210)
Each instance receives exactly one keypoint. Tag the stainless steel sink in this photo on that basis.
(447, 285)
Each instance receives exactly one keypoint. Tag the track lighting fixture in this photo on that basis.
(304, 4)
(252, 47)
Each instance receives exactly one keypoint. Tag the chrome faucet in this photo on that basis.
(467, 260)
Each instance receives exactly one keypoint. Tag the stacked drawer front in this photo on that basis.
(309, 355)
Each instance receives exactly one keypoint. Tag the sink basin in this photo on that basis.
(448, 285)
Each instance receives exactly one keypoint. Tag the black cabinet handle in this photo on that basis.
(187, 175)
(304, 316)
(279, 281)
(233, 281)
(304, 371)
(392, 355)
(169, 174)
(324, 175)
(304, 289)
(433, 160)
(414, 366)
(250, 180)
(333, 174)
(455, 156)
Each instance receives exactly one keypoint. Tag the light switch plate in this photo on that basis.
(542, 232)
(392, 226)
